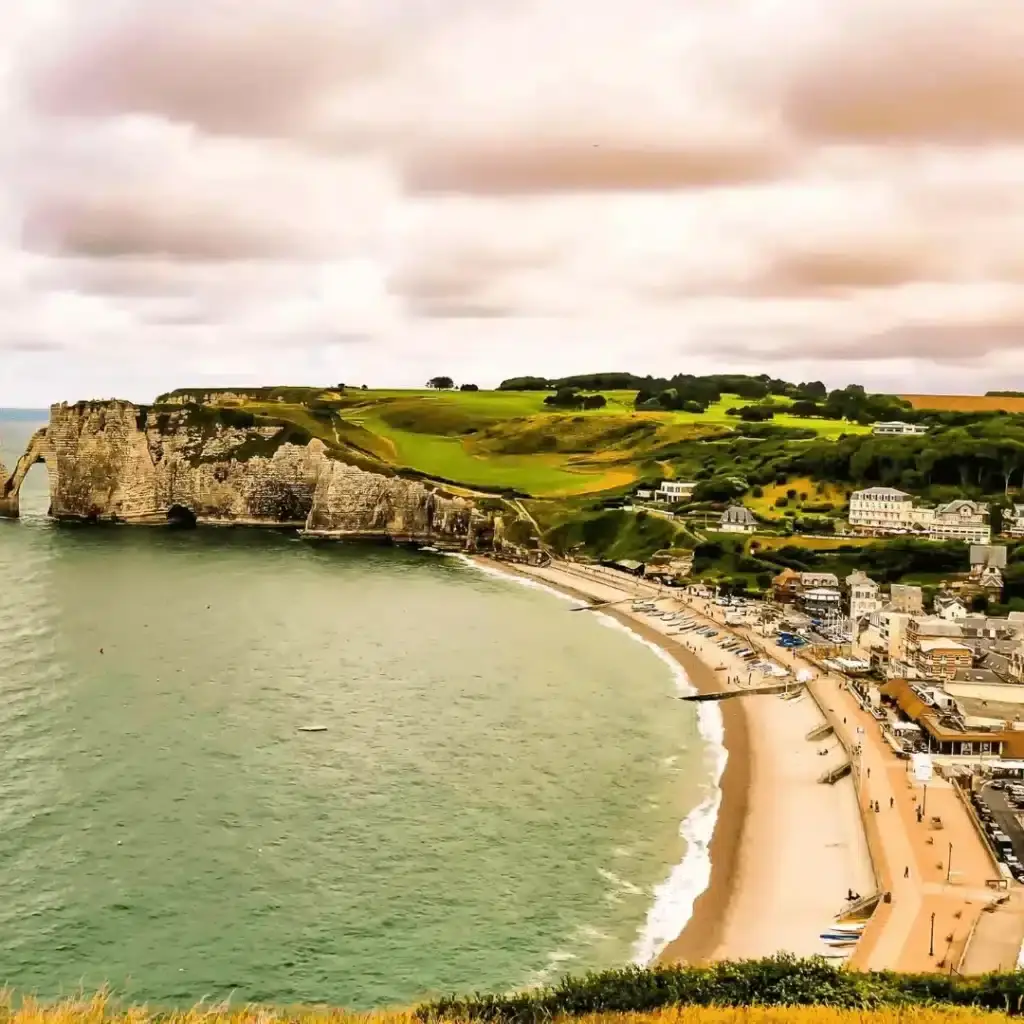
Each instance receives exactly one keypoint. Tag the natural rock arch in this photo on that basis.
(181, 517)
(39, 449)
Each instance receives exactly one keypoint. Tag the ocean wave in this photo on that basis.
(523, 581)
(675, 897)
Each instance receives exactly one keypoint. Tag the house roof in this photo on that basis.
(916, 709)
(819, 579)
(989, 555)
(881, 493)
(740, 515)
(932, 625)
(943, 645)
(954, 507)
(978, 675)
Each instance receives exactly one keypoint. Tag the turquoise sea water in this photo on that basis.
(496, 799)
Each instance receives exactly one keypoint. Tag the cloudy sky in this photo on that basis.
(314, 191)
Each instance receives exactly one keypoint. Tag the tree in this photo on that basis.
(468, 387)
(441, 383)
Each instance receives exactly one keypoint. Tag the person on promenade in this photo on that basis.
(892, 800)
(906, 871)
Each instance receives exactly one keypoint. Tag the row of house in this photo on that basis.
(886, 510)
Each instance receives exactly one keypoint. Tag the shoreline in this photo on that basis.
(784, 850)
(703, 932)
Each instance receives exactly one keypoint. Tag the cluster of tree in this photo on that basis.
(752, 413)
(525, 384)
(446, 384)
(570, 398)
(986, 457)
(1004, 394)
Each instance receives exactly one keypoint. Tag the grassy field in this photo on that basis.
(506, 440)
(966, 403)
(816, 494)
(99, 1011)
(768, 542)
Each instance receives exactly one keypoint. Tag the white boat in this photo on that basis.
(429, 550)
(848, 926)
(312, 728)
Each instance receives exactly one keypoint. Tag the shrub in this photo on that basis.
(781, 501)
(757, 491)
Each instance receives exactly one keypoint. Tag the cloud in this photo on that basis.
(924, 71)
(237, 67)
(528, 164)
(194, 188)
(844, 268)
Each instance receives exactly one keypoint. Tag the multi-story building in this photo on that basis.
(903, 597)
(898, 427)
(673, 491)
(927, 627)
(940, 658)
(880, 509)
(1013, 521)
(786, 586)
(861, 595)
(961, 520)
(887, 510)
(821, 602)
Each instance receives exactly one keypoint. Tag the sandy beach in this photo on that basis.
(786, 849)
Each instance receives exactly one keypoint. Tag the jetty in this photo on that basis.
(752, 691)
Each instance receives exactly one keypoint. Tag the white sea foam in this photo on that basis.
(674, 898)
(523, 581)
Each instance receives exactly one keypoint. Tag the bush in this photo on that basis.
(757, 491)
(791, 494)
(781, 502)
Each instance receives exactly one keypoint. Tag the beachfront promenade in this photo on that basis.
(937, 876)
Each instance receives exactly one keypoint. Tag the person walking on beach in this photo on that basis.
(892, 800)
(906, 871)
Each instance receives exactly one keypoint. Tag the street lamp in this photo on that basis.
(931, 937)
(949, 862)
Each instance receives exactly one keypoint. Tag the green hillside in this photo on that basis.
(574, 450)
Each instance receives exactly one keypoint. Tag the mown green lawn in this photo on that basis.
(507, 404)
(450, 459)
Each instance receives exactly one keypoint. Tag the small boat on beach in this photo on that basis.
(312, 728)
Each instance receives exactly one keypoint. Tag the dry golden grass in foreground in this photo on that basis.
(100, 1011)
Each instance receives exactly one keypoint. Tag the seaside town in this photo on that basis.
(921, 684)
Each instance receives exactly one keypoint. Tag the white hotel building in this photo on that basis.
(881, 508)
(887, 510)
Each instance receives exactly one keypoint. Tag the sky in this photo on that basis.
(247, 192)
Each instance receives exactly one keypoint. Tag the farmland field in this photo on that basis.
(966, 403)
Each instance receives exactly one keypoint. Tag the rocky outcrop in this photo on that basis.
(119, 462)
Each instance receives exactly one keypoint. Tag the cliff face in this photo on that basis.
(118, 462)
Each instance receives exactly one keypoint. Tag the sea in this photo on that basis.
(504, 790)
